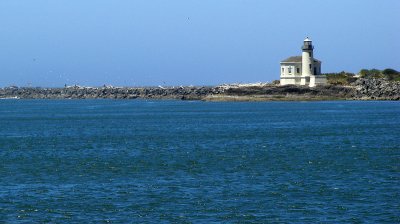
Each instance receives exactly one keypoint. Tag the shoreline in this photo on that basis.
(362, 89)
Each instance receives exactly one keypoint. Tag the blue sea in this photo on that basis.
(138, 161)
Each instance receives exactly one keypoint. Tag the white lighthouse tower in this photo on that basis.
(307, 65)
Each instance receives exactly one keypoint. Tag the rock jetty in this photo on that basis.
(376, 89)
(109, 92)
(362, 89)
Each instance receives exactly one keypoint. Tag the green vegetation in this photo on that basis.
(389, 74)
(342, 78)
(346, 78)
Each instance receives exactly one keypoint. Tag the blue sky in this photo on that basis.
(188, 42)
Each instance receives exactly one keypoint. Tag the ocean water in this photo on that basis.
(117, 161)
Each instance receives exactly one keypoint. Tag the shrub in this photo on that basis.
(389, 73)
(342, 78)
(372, 73)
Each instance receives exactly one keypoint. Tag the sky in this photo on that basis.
(51, 43)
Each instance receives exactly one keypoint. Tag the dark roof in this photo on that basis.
(296, 59)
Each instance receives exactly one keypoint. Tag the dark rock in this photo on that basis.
(77, 92)
(380, 89)
(376, 89)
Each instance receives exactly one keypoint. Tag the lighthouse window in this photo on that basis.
(283, 70)
(310, 66)
(298, 70)
(290, 70)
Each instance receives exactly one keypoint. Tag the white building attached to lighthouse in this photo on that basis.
(304, 69)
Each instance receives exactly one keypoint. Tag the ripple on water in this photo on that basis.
(176, 161)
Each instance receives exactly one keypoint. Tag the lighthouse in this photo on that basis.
(304, 69)
(307, 60)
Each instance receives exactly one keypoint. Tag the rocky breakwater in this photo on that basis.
(362, 89)
(270, 92)
(78, 92)
(376, 89)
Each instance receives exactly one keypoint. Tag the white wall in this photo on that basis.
(287, 78)
(306, 61)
